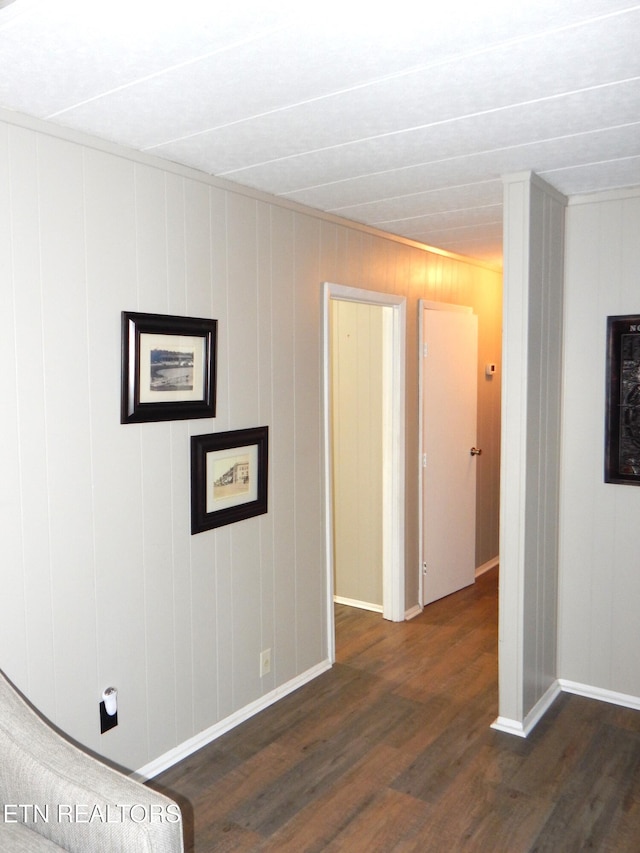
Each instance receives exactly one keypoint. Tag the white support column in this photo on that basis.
(531, 399)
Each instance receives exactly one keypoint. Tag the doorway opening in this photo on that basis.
(392, 366)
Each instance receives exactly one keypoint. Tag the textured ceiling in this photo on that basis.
(399, 116)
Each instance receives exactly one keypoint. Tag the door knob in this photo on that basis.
(475, 451)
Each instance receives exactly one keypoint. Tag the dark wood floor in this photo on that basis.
(392, 750)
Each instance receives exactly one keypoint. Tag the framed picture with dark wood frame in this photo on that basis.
(228, 477)
(622, 426)
(168, 367)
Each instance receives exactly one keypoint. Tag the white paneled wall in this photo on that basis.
(102, 582)
(532, 397)
(599, 633)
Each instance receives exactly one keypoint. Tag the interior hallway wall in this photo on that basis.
(599, 628)
(102, 583)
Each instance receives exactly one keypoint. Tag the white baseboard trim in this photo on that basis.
(510, 727)
(624, 699)
(563, 685)
(501, 724)
(413, 612)
(524, 728)
(353, 602)
(485, 567)
(163, 762)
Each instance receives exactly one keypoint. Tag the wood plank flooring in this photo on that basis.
(392, 750)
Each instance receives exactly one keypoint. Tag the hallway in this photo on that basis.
(392, 750)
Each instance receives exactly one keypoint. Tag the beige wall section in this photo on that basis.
(102, 582)
(356, 371)
(487, 304)
(599, 634)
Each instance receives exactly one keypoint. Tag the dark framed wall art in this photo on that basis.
(168, 367)
(622, 426)
(228, 477)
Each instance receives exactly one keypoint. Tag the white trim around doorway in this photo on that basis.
(393, 451)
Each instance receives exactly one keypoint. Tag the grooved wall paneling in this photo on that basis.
(532, 398)
(599, 578)
(102, 582)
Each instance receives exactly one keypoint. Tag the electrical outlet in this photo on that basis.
(265, 662)
(106, 720)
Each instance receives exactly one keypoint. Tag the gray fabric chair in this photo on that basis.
(54, 796)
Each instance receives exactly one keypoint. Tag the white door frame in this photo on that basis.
(432, 306)
(393, 440)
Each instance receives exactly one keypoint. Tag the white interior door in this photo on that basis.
(449, 401)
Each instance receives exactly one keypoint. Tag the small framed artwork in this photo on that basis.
(168, 368)
(622, 426)
(228, 477)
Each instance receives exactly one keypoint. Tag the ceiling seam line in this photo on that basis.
(470, 155)
(414, 129)
(168, 70)
(461, 57)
